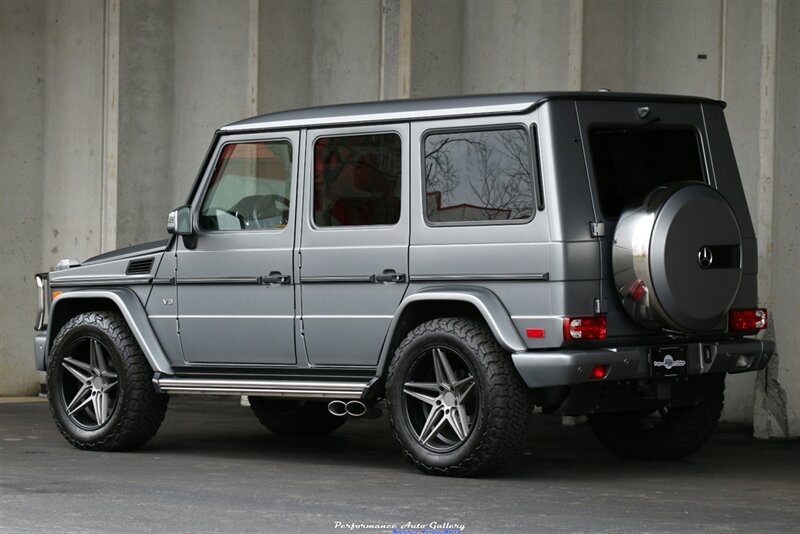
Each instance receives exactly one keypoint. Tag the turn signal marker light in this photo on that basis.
(534, 332)
(54, 294)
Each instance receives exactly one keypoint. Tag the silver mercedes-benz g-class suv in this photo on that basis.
(460, 260)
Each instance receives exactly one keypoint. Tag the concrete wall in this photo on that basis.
(73, 129)
(284, 60)
(21, 136)
(145, 185)
(515, 46)
(778, 392)
(346, 51)
(185, 67)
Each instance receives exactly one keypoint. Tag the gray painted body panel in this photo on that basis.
(430, 108)
(565, 367)
(133, 312)
(345, 314)
(485, 301)
(518, 276)
(225, 314)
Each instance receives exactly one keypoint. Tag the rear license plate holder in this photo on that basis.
(668, 361)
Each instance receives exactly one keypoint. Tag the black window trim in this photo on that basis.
(312, 144)
(478, 128)
(197, 205)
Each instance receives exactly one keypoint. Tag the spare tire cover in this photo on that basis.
(677, 258)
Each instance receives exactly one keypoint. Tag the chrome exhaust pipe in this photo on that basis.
(353, 408)
(337, 408)
(356, 408)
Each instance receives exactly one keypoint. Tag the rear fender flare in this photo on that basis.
(485, 301)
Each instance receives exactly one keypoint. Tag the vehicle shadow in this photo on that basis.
(225, 430)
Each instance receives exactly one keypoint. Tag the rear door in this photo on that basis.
(631, 148)
(354, 244)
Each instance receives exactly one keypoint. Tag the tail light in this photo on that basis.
(591, 327)
(755, 319)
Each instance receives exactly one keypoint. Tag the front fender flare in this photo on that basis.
(485, 301)
(134, 314)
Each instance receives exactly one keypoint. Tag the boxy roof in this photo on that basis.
(433, 108)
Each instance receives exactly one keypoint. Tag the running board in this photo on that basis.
(262, 388)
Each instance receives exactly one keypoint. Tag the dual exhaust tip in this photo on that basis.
(353, 408)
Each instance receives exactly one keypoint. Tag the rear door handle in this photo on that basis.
(388, 276)
(275, 277)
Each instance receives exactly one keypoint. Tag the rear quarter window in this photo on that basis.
(629, 162)
(478, 177)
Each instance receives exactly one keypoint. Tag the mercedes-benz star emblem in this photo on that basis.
(705, 258)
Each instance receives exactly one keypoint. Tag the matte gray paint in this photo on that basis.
(131, 309)
(334, 256)
(486, 302)
(565, 367)
(527, 275)
(222, 274)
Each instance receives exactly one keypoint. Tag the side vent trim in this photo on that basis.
(139, 266)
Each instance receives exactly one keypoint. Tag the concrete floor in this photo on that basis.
(213, 468)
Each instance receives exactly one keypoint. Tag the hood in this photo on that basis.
(127, 252)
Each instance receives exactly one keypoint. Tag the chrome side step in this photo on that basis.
(261, 388)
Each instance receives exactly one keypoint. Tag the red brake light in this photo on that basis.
(592, 327)
(755, 319)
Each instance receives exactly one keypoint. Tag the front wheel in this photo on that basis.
(457, 405)
(668, 433)
(100, 385)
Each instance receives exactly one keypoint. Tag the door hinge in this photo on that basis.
(600, 306)
(597, 229)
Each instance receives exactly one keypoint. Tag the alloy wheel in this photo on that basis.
(440, 401)
(89, 388)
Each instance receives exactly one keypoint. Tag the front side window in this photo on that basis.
(478, 176)
(357, 180)
(250, 188)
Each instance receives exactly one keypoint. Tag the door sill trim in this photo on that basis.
(305, 389)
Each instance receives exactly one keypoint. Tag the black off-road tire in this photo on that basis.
(295, 417)
(502, 415)
(679, 431)
(138, 410)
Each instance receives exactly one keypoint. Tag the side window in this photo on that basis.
(250, 188)
(357, 180)
(478, 176)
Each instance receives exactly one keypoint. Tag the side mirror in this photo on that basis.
(179, 222)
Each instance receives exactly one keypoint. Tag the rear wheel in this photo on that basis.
(664, 434)
(457, 406)
(100, 384)
(295, 417)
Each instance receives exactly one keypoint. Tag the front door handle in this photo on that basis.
(388, 276)
(275, 277)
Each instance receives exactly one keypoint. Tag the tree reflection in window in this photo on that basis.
(478, 176)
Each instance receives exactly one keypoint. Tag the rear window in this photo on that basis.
(631, 162)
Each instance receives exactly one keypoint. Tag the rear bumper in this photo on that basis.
(566, 367)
